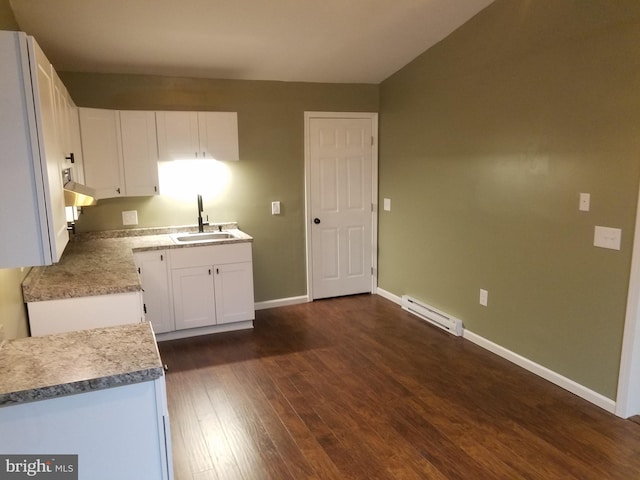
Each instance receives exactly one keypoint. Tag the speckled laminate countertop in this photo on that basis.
(101, 263)
(39, 368)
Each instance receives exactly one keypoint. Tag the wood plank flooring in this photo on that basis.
(356, 388)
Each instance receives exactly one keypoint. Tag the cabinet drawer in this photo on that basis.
(210, 255)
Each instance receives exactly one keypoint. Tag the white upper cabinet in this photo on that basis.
(119, 152)
(102, 152)
(34, 227)
(139, 152)
(43, 90)
(218, 134)
(178, 135)
(68, 130)
(197, 135)
(76, 144)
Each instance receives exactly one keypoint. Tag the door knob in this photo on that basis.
(316, 221)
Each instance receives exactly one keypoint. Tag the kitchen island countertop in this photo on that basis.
(40, 368)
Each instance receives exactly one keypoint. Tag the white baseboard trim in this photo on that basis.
(553, 377)
(389, 296)
(281, 302)
(549, 375)
(194, 332)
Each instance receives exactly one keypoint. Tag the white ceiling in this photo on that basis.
(342, 41)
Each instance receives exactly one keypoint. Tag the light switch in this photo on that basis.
(585, 200)
(275, 208)
(607, 237)
(387, 204)
(484, 297)
(130, 217)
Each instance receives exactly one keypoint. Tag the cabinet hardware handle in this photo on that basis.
(209, 271)
(217, 272)
(118, 189)
(71, 158)
(162, 258)
(155, 188)
(139, 270)
(144, 305)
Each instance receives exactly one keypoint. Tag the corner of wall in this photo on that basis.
(7, 18)
(13, 313)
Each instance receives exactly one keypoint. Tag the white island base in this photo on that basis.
(118, 432)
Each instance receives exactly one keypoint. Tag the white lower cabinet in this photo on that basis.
(234, 301)
(83, 313)
(196, 290)
(120, 432)
(193, 297)
(152, 267)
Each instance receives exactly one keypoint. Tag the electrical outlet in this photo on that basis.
(130, 217)
(484, 297)
(386, 204)
(275, 208)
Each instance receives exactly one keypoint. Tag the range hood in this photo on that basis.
(76, 194)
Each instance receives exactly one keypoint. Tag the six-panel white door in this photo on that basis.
(340, 162)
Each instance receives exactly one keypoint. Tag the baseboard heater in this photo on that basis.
(432, 315)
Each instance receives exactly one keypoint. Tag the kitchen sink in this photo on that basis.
(201, 237)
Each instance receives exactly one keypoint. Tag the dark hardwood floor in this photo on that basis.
(355, 388)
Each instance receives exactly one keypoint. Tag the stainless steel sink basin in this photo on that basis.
(201, 237)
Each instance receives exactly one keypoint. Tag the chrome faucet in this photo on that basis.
(201, 224)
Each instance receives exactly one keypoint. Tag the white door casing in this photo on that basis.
(341, 180)
(628, 394)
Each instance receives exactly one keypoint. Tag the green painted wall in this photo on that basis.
(7, 19)
(487, 139)
(271, 166)
(13, 313)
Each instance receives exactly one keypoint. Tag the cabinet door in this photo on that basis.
(218, 134)
(31, 195)
(193, 297)
(76, 143)
(68, 128)
(234, 292)
(155, 282)
(62, 119)
(177, 135)
(139, 152)
(101, 151)
(43, 89)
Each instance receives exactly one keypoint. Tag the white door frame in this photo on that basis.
(374, 191)
(628, 395)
